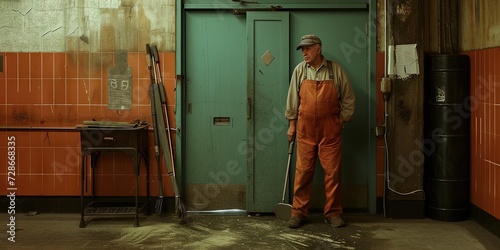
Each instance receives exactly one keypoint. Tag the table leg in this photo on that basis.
(93, 164)
(82, 219)
(146, 163)
(136, 166)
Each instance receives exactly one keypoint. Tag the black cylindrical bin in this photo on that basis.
(446, 136)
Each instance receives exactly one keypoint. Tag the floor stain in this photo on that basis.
(221, 232)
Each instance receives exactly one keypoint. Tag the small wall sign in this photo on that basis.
(120, 83)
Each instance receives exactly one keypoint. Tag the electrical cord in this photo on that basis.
(387, 180)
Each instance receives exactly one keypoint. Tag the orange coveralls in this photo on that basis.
(318, 134)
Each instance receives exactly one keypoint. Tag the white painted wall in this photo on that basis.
(86, 25)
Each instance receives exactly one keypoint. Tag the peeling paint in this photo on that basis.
(494, 32)
(22, 13)
(84, 38)
(404, 111)
(91, 26)
(481, 19)
(50, 31)
(403, 11)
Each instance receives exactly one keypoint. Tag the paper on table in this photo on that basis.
(406, 60)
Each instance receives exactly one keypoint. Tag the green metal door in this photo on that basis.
(344, 37)
(237, 70)
(268, 80)
(344, 40)
(214, 175)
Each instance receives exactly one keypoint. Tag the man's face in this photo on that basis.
(311, 52)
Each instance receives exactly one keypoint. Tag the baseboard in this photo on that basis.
(380, 205)
(72, 204)
(486, 220)
(405, 209)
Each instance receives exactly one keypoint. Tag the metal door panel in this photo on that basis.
(344, 40)
(215, 107)
(268, 82)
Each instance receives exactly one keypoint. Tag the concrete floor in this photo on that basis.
(219, 231)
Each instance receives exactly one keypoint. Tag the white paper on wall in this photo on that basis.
(406, 60)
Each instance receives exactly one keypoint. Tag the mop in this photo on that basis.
(162, 125)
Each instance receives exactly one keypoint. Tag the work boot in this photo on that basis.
(294, 222)
(336, 221)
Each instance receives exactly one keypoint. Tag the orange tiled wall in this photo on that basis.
(485, 129)
(51, 91)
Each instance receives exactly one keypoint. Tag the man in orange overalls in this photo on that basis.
(320, 100)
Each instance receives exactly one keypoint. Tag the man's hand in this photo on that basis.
(291, 129)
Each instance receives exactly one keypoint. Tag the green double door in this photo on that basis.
(237, 70)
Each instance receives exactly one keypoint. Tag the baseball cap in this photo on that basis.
(308, 40)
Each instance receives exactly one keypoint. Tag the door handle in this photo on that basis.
(249, 108)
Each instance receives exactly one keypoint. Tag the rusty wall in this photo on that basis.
(441, 23)
(380, 25)
(479, 25)
(86, 26)
(55, 59)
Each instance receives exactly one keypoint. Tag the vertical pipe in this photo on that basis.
(386, 156)
(385, 37)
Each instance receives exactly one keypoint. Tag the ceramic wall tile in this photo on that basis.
(47, 65)
(36, 164)
(59, 66)
(36, 185)
(496, 197)
(10, 65)
(57, 89)
(2, 71)
(24, 65)
(35, 65)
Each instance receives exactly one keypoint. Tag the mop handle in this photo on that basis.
(290, 151)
